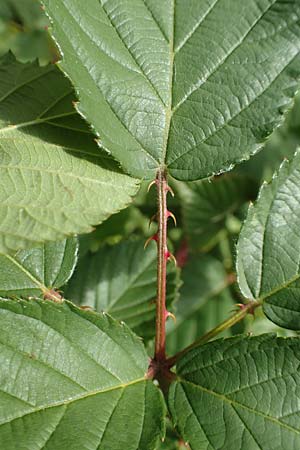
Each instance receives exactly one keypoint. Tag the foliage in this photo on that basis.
(174, 93)
(23, 30)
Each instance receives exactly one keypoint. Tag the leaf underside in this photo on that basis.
(121, 280)
(194, 86)
(33, 272)
(239, 393)
(54, 180)
(268, 262)
(72, 379)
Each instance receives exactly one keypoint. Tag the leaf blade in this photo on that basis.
(35, 271)
(121, 280)
(232, 399)
(52, 173)
(86, 390)
(196, 97)
(267, 263)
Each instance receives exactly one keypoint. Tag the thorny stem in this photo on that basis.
(158, 368)
(235, 318)
(162, 259)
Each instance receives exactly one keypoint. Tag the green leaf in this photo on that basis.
(35, 271)
(239, 393)
(72, 379)
(121, 280)
(54, 179)
(119, 226)
(23, 30)
(27, 13)
(204, 302)
(194, 86)
(282, 144)
(206, 205)
(268, 263)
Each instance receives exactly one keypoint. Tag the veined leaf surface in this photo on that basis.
(194, 86)
(54, 180)
(239, 393)
(72, 379)
(35, 271)
(121, 280)
(268, 263)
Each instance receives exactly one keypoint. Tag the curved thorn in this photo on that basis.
(170, 214)
(169, 189)
(151, 238)
(169, 314)
(170, 256)
(150, 185)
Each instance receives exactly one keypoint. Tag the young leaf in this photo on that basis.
(121, 280)
(206, 205)
(239, 393)
(72, 379)
(54, 179)
(268, 263)
(35, 271)
(191, 85)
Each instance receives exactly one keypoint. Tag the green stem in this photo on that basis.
(162, 258)
(235, 318)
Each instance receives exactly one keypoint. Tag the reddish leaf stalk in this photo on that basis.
(162, 259)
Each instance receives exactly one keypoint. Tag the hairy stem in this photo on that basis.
(162, 258)
(235, 318)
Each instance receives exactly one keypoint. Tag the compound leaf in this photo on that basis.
(195, 86)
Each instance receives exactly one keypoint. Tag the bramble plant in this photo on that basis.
(159, 97)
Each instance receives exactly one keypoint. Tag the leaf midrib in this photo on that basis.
(232, 118)
(168, 110)
(37, 282)
(141, 147)
(61, 172)
(79, 347)
(236, 403)
(37, 121)
(78, 398)
(226, 57)
(148, 80)
(292, 280)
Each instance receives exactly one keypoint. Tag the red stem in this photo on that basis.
(161, 312)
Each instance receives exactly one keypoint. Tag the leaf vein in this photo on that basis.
(238, 404)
